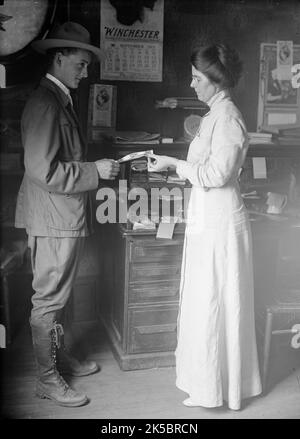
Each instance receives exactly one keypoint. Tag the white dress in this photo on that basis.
(216, 354)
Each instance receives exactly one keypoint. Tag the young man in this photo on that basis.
(53, 203)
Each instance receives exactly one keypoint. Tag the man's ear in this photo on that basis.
(58, 57)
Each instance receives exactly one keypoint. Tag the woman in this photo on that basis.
(216, 355)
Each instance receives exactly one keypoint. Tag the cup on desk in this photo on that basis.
(276, 202)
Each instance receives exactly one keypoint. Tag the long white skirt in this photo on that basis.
(216, 354)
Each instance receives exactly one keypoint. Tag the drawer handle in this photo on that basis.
(154, 329)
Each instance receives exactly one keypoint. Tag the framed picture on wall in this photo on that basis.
(278, 100)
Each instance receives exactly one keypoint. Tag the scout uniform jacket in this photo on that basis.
(53, 199)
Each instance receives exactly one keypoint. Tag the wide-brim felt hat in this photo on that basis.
(69, 34)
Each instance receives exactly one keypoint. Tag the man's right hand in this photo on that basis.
(108, 169)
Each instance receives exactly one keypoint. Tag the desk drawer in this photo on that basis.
(152, 329)
(145, 292)
(152, 250)
(151, 272)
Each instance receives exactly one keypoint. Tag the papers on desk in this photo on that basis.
(136, 137)
(166, 227)
(259, 167)
(157, 176)
(144, 224)
(139, 165)
(174, 178)
(253, 195)
(182, 102)
(260, 138)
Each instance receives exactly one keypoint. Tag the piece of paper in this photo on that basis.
(284, 60)
(2, 76)
(259, 167)
(282, 118)
(166, 226)
(135, 155)
(165, 230)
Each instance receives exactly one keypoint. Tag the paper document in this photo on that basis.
(135, 155)
(166, 227)
(282, 118)
(259, 167)
(165, 230)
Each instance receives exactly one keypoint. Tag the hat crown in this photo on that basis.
(70, 31)
(69, 34)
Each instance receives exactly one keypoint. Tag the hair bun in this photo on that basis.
(220, 63)
(231, 62)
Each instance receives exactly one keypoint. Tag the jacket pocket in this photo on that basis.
(66, 212)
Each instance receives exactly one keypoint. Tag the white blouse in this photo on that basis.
(220, 146)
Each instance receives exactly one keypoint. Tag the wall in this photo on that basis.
(243, 24)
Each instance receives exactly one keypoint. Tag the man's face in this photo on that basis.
(70, 69)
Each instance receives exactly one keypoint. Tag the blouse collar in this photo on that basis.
(217, 97)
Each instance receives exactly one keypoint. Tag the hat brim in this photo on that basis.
(43, 45)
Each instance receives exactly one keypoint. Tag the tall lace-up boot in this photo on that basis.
(50, 383)
(68, 364)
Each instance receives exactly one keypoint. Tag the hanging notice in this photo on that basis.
(284, 60)
(133, 40)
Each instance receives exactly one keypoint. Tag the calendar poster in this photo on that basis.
(133, 41)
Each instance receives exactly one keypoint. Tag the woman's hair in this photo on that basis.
(219, 63)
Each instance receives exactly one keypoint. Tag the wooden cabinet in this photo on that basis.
(140, 305)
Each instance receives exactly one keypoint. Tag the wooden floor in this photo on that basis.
(142, 394)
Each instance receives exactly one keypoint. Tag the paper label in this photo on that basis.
(259, 167)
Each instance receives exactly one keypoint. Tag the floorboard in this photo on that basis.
(140, 394)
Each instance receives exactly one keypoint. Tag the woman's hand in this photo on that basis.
(158, 163)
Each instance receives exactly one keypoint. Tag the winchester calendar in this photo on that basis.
(133, 41)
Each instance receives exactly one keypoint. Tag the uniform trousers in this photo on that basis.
(54, 266)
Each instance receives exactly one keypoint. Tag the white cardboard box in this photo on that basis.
(102, 106)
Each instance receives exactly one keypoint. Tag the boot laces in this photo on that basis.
(57, 342)
(62, 382)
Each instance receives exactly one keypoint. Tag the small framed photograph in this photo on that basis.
(102, 105)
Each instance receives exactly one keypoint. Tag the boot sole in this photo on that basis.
(44, 395)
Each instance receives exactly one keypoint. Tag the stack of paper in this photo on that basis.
(258, 138)
(182, 102)
(157, 176)
(290, 132)
(289, 136)
(289, 140)
(136, 137)
(144, 224)
(174, 178)
(139, 165)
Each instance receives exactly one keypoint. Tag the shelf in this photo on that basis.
(261, 149)
(7, 224)
(275, 150)
(11, 172)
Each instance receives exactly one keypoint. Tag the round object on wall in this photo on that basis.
(21, 22)
(191, 125)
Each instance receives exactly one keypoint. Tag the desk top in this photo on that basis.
(259, 222)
